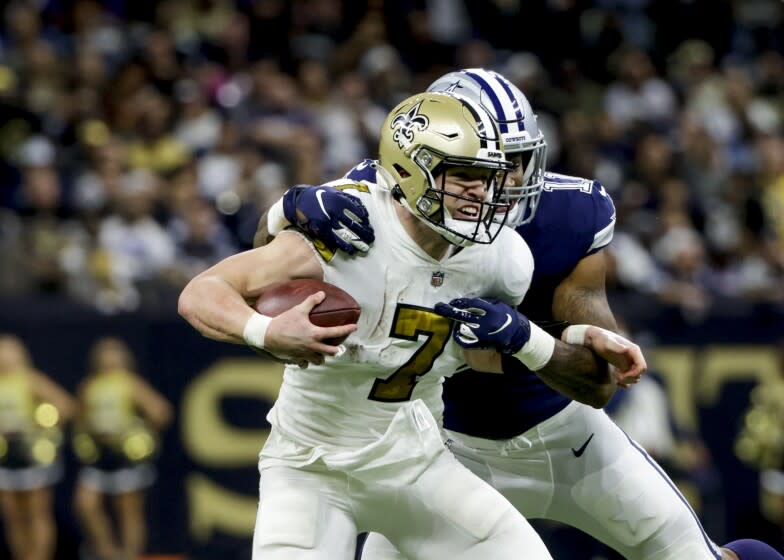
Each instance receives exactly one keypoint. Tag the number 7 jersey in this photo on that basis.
(401, 350)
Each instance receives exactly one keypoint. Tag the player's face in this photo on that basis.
(515, 177)
(470, 184)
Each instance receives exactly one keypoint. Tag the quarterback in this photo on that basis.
(356, 443)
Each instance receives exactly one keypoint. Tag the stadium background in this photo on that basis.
(141, 141)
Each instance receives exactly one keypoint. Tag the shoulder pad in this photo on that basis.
(590, 199)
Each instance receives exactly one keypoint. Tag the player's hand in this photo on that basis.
(486, 322)
(292, 337)
(337, 219)
(624, 356)
(479, 359)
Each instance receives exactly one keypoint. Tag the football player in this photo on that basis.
(356, 442)
(547, 446)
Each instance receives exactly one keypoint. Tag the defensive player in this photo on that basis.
(552, 456)
(355, 442)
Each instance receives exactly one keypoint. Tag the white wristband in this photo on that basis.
(574, 334)
(276, 221)
(536, 353)
(256, 329)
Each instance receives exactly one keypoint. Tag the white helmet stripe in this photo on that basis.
(487, 127)
(519, 118)
(504, 104)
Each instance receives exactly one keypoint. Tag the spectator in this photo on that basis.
(120, 416)
(201, 241)
(132, 237)
(32, 410)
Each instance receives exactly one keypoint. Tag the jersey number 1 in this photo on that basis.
(410, 323)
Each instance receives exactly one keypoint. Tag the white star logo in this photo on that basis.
(633, 512)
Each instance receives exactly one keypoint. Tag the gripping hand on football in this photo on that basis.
(486, 323)
(293, 338)
(331, 216)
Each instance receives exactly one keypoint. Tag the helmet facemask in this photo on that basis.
(523, 198)
(432, 206)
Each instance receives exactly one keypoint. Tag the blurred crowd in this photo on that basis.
(140, 142)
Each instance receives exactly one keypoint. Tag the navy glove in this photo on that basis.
(325, 213)
(487, 322)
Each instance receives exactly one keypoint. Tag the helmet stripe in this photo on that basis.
(486, 125)
(520, 118)
(501, 98)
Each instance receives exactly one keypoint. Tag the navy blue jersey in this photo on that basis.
(575, 218)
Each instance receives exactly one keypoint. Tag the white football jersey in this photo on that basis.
(401, 349)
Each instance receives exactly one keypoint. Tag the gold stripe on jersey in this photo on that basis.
(361, 187)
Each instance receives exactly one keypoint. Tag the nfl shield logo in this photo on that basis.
(437, 279)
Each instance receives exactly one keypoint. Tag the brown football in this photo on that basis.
(337, 309)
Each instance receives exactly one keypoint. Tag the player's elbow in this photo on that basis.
(187, 305)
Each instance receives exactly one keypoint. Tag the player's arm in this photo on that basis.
(47, 390)
(215, 301)
(565, 372)
(570, 371)
(483, 322)
(325, 213)
(581, 299)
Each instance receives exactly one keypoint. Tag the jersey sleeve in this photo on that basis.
(604, 218)
(513, 267)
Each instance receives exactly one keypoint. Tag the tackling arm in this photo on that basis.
(581, 299)
(571, 369)
(324, 212)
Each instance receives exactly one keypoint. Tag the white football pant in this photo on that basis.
(580, 468)
(443, 511)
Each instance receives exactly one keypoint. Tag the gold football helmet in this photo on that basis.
(425, 135)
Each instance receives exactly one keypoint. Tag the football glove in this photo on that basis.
(333, 217)
(486, 322)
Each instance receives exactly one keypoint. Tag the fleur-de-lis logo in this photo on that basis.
(405, 123)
